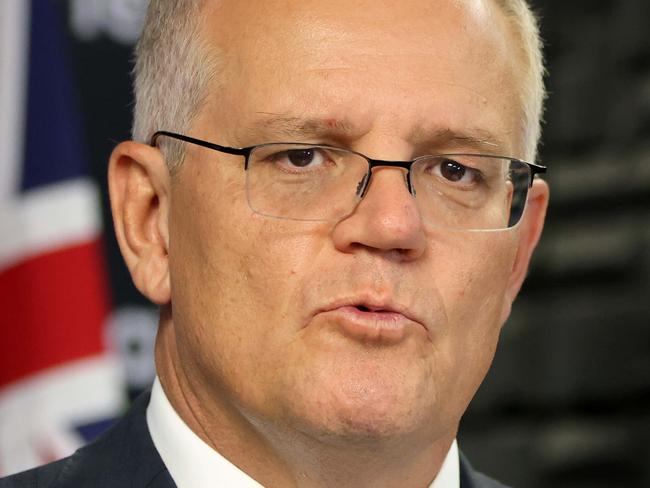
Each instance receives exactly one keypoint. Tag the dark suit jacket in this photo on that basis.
(125, 457)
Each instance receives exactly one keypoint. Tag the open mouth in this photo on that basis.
(373, 315)
(377, 322)
(364, 308)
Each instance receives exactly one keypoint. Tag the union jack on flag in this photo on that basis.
(58, 383)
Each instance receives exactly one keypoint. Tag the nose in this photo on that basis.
(387, 219)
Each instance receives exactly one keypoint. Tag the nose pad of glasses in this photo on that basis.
(362, 187)
(407, 180)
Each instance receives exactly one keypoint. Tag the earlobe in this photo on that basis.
(139, 191)
(529, 233)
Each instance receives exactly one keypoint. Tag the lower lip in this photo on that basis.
(369, 326)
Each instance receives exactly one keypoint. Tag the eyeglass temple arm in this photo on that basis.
(245, 151)
(535, 170)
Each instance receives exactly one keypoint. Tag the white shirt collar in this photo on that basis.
(193, 463)
(449, 474)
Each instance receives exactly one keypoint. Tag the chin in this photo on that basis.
(372, 426)
(363, 393)
(369, 410)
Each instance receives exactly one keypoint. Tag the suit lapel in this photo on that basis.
(124, 456)
(466, 471)
(162, 480)
(470, 478)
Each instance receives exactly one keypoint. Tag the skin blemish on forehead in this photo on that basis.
(331, 123)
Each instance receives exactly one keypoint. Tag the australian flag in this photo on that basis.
(59, 384)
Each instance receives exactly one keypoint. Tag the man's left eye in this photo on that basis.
(455, 172)
(305, 157)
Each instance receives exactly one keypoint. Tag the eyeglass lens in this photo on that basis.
(303, 182)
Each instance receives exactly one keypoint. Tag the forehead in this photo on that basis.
(411, 63)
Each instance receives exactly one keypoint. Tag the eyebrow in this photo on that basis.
(274, 126)
(472, 138)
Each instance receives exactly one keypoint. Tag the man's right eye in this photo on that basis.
(307, 158)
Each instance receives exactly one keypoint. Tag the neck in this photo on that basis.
(277, 455)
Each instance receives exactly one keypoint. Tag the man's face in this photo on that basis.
(376, 325)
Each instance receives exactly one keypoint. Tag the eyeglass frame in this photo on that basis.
(534, 169)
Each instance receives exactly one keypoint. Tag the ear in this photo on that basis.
(530, 230)
(139, 188)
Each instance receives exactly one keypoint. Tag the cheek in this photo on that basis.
(474, 293)
(212, 260)
(274, 261)
(235, 275)
(472, 271)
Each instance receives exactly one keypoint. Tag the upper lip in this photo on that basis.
(376, 305)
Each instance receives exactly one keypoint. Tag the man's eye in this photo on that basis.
(302, 158)
(455, 172)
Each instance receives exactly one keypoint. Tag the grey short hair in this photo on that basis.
(174, 67)
(525, 27)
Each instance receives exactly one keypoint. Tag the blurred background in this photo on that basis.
(567, 402)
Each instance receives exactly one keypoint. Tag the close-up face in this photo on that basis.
(379, 323)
